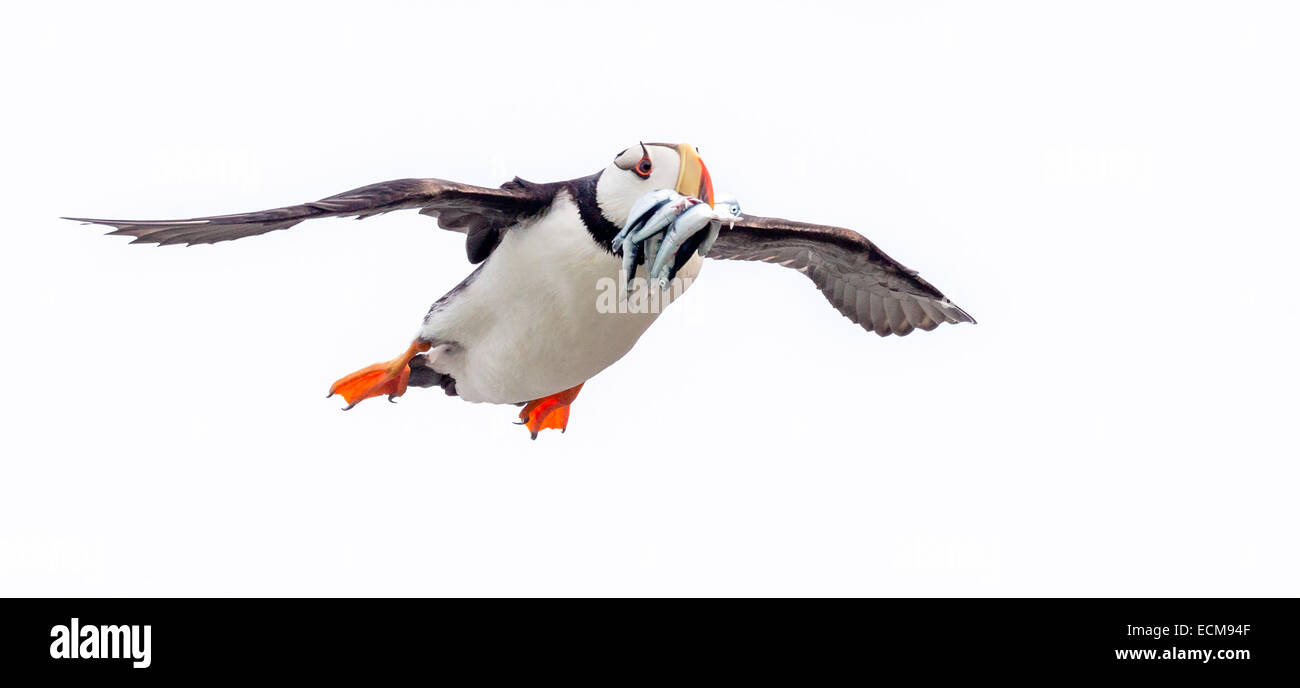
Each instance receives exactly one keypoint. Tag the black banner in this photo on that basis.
(812, 639)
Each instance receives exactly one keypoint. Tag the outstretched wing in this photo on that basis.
(481, 213)
(869, 287)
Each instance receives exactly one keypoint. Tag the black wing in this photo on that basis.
(869, 287)
(481, 213)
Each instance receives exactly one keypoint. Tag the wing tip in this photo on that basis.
(961, 315)
(126, 228)
(951, 312)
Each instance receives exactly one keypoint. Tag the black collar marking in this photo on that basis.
(601, 229)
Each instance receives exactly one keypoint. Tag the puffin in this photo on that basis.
(570, 274)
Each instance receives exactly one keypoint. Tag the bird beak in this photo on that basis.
(693, 179)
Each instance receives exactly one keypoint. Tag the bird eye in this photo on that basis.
(643, 168)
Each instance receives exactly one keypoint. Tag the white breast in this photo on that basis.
(538, 317)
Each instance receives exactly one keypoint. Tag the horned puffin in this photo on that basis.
(525, 327)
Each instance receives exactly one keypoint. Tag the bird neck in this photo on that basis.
(583, 190)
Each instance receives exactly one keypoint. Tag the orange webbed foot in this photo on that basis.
(548, 412)
(388, 378)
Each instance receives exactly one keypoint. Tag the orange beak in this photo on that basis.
(693, 179)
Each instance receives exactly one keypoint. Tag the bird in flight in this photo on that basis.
(570, 274)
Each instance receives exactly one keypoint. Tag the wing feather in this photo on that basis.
(481, 213)
(860, 280)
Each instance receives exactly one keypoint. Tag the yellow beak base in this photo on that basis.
(693, 179)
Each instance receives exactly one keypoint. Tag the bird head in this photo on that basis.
(647, 167)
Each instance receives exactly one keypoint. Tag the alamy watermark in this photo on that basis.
(644, 296)
(75, 641)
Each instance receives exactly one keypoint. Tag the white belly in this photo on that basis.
(541, 314)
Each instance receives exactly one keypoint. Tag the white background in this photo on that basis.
(1109, 187)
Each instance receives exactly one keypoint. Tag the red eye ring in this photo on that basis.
(643, 168)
